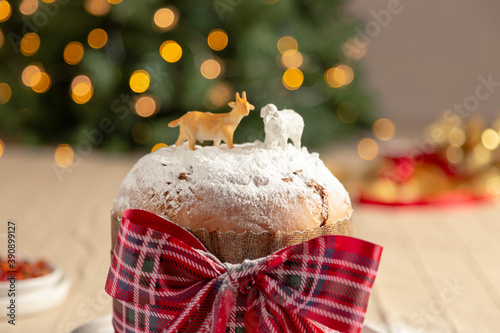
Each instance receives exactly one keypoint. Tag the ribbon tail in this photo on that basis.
(223, 306)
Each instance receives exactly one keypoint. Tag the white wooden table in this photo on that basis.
(440, 269)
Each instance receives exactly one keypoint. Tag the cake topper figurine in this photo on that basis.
(201, 126)
(279, 126)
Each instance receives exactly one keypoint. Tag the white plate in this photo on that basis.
(99, 325)
(37, 294)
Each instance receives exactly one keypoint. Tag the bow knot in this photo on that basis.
(245, 275)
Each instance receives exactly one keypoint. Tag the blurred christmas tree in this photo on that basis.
(113, 73)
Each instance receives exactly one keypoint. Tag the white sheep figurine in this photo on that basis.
(281, 125)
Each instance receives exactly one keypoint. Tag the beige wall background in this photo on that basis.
(430, 55)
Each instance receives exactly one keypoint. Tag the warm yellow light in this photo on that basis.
(171, 51)
(5, 93)
(490, 139)
(2, 38)
(158, 146)
(456, 136)
(287, 43)
(2, 147)
(166, 18)
(293, 79)
(28, 75)
(48, 1)
(73, 53)
(64, 155)
(28, 7)
(383, 129)
(97, 38)
(292, 59)
(219, 95)
(115, 2)
(354, 48)
(30, 44)
(81, 89)
(142, 133)
(5, 10)
(139, 81)
(368, 149)
(145, 106)
(493, 185)
(347, 113)
(339, 76)
(454, 154)
(41, 82)
(210, 69)
(217, 39)
(97, 7)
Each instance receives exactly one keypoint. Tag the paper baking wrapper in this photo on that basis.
(234, 248)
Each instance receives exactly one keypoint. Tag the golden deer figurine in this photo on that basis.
(201, 126)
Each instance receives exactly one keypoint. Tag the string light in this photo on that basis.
(384, 129)
(354, 48)
(145, 106)
(64, 155)
(217, 39)
(158, 146)
(171, 51)
(139, 81)
(30, 44)
(490, 139)
(81, 89)
(456, 136)
(115, 2)
(5, 93)
(5, 10)
(454, 154)
(2, 147)
(142, 133)
(339, 76)
(210, 69)
(48, 1)
(73, 53)
(287, 43)
(97, 38)
(347, 113)
(293, 79)
(166, 18)
(292, 59)
(41, 82)
(368, 149)
(97, 7)
(28, 7)
(28, 75)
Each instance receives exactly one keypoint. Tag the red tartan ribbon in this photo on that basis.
(164, 280)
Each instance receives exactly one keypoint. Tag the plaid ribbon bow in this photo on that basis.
(164, 280)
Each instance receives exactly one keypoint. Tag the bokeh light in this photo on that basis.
(287, 43)
(166, 18)
(41, 82)
(347, 113)
(354, 48)
(142, 133)
(81, 89)
(5, 93)
(30, 44)
(2, 147)
(217, 39)
(5, 10)
(368, 149)
(145, 106)
(48, 1)
(493, 185)
(29, 74)
(490, 139)
(97, 38)
(171, 51)
(73, 53)
(456, 136)
(2, 38)
(384, 129)
(115, 2)
(64, 155)
(454, 154)
(339, 76)
(139, 81)
(292, 59)
(28, 7)
(219, 95)
(97, 7)
(293, 79)
(158, 146)
(210, 69)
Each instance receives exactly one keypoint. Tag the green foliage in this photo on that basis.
(251, 61)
